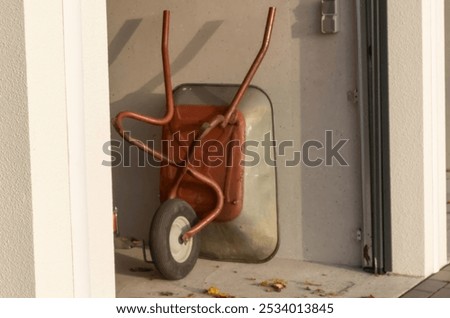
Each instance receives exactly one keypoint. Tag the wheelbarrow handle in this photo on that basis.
(251, 72)
(118, 120)
(139, 143)
(166, 65)
(219, 120)
(167, 84)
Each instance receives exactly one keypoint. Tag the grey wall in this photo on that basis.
(447, 107)
(17, 277)
(307, 76)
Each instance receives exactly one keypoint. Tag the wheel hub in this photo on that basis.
(180, 250)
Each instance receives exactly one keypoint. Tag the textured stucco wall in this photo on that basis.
(16, 237)
(98, 177)
(49, 149)
(50, 155)
(406, 170)
(417, 135)
(447, 77)
(447, 108)
(36, 228)
(307, 76)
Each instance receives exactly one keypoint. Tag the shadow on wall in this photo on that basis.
(141, 96)
(136, 188)
(121, 39)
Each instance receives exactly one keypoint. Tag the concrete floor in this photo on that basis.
(448, 214)
(448, 234)
(135, 278)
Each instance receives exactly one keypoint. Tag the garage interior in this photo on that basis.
(309, 77)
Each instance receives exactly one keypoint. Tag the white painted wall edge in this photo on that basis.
(97, 124)
(417, 136)
(434, 135)
(69, 89)
(89, 126)
(73, 49)
(45, 72)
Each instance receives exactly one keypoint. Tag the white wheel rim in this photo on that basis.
(180, 251)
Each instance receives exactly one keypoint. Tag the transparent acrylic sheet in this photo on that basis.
(253, 235)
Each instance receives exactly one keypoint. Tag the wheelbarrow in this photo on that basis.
(202, 171)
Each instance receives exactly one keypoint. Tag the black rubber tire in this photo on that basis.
(159, 235)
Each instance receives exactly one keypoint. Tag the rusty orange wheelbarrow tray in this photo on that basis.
(202, 175)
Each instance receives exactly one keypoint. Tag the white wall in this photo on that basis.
(49, 155)
(417, 135)
(98, 177)
(16, 236)
(37, 231)
(307, 76)
(447, 111)
(447, 78)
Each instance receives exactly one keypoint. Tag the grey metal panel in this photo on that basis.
(364, 126)
(384, 87)
(374, 104)
(253, 235)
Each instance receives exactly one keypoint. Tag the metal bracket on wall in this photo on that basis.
(330, 16)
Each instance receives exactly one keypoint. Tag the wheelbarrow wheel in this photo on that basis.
(173, 258)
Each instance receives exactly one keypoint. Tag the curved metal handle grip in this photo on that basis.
(139, 143)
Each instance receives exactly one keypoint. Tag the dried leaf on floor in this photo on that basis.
(370, 296)
(190, 295)
(276, 284)
(216, 293)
